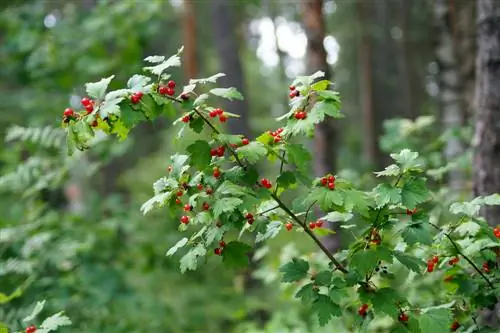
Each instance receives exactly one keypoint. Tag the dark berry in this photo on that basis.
(403, 317)
(184, 96)
(455, 326)
(206, 206)
(486, 267)
(218, 251)
(249, 216)
(292, 88)
(208, 190)
(213, 152)
(222, 243)
(435, 259)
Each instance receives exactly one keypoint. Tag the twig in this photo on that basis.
(268, 210)
(281, 169)
(308, 210)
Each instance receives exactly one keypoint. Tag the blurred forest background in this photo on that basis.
(70, 229)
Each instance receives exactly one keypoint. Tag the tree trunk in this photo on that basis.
(324, 141)
(189, 21)
(450, 97)
(227, 48)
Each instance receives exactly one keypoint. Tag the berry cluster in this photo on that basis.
(266, 183)
(218, 250)
(250, 218)
(31, 329)
(496, 231)
(88, 104)
(276, 134)
(328, 181)
(362, 310)
(299, 115)
(218, 113)
(169, 89)
(431, 263)
(317, 224)
(219, 151)
(293, 92)
(136, 97)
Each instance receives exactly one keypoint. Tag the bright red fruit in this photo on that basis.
(331, 178)
(300, 115)
(200, 186)
(331, 186)
(69, 112)
(277, 139)
(218, 251)
(184, 219)
(31, 329)
(403, 317)
(249, 216)
(188, 207)
(213, 152)
(292, 88)
(186, 119)
(208, 190)
(266, 183)
(85, 101)
(170, 91)
(218, 111)
(171, 84)
(216, 172)
(324, 181)
(220, 151)
(312, 225)
(453, 261)
(319, 224)
(496, 231)
(206, 206)
(245, 141)
(89, 108)
(222, 243)
(163, 90)
(435, 259)
(178, 201)
(455, 326)
(289, 226)
(212, 114)
(430, 266)
(179, 193)
(362, 310)
(222, 118)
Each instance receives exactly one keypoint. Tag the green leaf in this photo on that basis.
(196, 124)
(385, 300)
(120, 130)
(190, 260)
(200, 100)
(229, 188)
(320, 85)
(235, 254)
(154, 59)
(391, 170)
(337, 217)
(139, 83)
(364, 261)
(226, 205)
(468, 228)
(199, 154)
(294, 270)
(53, 322)
(406, 159)
(326, 309)
(36, 310)
(387, 194)
(210, 79)
(272, 230)
(307, 294)
(181, 243)
(325, 197)
(327, 108)
(7, 298)
(436, 320)
(323, 278)
(417, 233)
(299, 155)
(410, 262)
(356, 200)
(414, 192)
(98, 89)
(229, 139)
(227, 93)
(286, 179)
(173, 61)
(252, 152)
(129, 116)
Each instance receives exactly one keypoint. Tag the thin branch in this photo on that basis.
(281, 169)
(268, 210)
(455, 245)
(308, 210)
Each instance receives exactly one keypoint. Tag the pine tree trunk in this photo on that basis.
(326, 134)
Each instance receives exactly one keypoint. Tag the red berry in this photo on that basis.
(200, 186)
(208, 191)
(170, 91)
(245, 141)
(486, 267)
(213, 152)
(216, 173)
(277, 139)
(69, 112)
(430, 267)
(312, 225)
(220, 151)
(219, 111)
(31, 329)
(280, 130)
(94, 123)
(292, 88)
(454, 326)
(331, 185)
(184, 96)
(184, 219)
(319, 224)
(324, 181)
(188, 207)
(86, 101)
(222, 243)
(403, 317)
(223, 118)
(163, 90)
(496, 231)
(186, 118)
(171, 84)
(266, 183)
(139, 94)
(453, 261)
(89, 108)
(179, 193)
(206, 206)
(134, 99)
(362, 310)
(435, 259)
(178, 201)
(212, 114)
(249, 216)
(218, 251)
(300, 115)
(289, 226)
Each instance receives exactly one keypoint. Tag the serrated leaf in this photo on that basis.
(299, 155)
(406, 159)
(154, 59)
(130, 117)
(53, 322)
(387, 194)
(326, 309)
(391, 170)
(210, 79)
(120, 130)
(173, 61)
(200, 100)
(320, 85)
(410, 262)
(229, 139)
(356, 200)
(226, 205)
(417, 233)
(364, 261)
(190, 260)
(98, 89)
(199, 154)
(139, 83)
(272, 230)
(227, 93)
(436, 320)
(325, 198)
(235, 254)
(180, 244)
(323, 278)
(36, 310)
(307, 294)
(337, 217)
(468, 228)
(414, 192)
(328, 108)
(286, 179)
(294, 270)
(155, 202)
(385, 300)
(252, 152)
(230, 188)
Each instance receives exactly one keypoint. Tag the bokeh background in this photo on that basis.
(70, 228)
